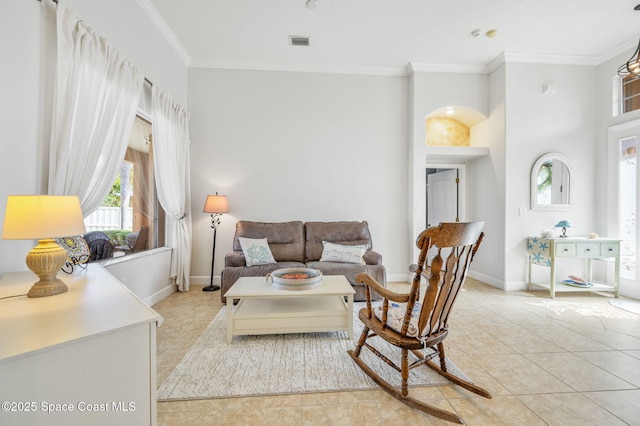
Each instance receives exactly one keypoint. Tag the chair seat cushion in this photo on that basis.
(395, 317)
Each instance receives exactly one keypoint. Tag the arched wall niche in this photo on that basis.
(451, 126)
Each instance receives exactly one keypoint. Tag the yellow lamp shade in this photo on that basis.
(34, 217)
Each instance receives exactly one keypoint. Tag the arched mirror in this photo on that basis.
(552, 183)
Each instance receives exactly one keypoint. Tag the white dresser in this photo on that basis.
(87, 356)
(548, 251)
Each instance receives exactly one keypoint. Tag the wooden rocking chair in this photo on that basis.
(421, 326)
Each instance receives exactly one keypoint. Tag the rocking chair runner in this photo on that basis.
(421, 326)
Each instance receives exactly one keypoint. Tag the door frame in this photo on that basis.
(615, 133)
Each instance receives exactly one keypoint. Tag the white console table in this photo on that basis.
(547, 251)
(87, 356)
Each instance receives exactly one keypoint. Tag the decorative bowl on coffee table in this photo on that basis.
(295, 278)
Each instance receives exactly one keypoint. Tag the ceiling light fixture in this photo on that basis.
(632, 66)
(312, 4)
(476, 33)
(491, 33)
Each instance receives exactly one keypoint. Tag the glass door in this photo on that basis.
(624, 185)
(627, 206)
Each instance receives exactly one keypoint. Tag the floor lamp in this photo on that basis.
(216, 205)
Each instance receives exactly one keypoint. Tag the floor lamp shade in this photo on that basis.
(43, 218)
(216, 205)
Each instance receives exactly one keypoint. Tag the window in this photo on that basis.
(630, 93)
(132, 202)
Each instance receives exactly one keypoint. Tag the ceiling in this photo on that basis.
(384, 36)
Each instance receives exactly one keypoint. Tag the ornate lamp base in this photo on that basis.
(45, 260)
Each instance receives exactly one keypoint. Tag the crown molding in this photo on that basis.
(309, 68)
(446, 68)
(627, 47)
(533, 58)
(150, 10)
(412, 67)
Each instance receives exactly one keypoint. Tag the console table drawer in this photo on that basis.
(609, 250)
(588, 249)
(565, 249)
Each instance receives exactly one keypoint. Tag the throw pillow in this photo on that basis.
(332, 252)
(76, 247)
(395, 317)
(256, 251)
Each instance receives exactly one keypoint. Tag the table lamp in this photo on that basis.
(43, 218)
(564, 224)
(216, 205)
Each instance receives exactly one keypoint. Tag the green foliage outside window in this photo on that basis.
(113, 198)
(117, 237)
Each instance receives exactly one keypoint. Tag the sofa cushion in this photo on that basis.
(256, 251)
(343, 254)
(286, 239)
(350, 233)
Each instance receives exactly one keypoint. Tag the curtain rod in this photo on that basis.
(146, 80)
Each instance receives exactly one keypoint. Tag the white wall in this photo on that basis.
(431, 91)
(145, 273)
(25, 85)
(23, 151)
(488, 183)
(536, 124)
(299, 146)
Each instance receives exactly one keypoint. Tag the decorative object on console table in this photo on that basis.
(564, 224)
(43, 218)
(216, 205)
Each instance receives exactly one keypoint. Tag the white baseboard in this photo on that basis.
(487, 279)
(517, 286)
(204, 280)
(159, 295)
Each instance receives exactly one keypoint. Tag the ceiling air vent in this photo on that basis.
(298, 40)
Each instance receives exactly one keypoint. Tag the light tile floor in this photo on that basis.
(574, 360)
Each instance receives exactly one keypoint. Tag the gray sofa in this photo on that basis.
(297, 244)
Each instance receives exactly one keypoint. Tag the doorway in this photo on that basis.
(624, 185)
(445, 189)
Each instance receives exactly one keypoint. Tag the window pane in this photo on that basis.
(628, 179)
(630, 94)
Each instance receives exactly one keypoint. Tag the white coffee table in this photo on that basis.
(266, 309)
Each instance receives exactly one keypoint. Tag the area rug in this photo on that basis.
(628, 305)
(281, 364)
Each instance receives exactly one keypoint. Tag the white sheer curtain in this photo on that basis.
(95, 104)
(171, 167)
